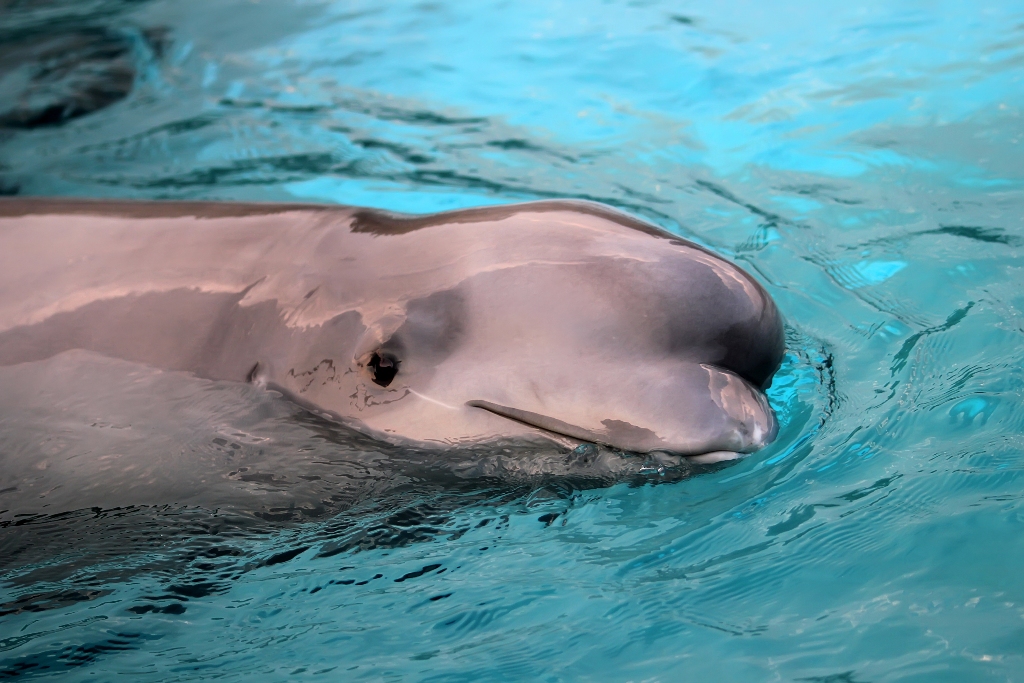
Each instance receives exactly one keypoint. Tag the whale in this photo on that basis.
(565, 320)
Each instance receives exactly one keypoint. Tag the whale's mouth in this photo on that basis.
(548, 424)
(556, 426)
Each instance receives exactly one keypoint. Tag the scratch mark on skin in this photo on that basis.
(362, 399)
(312, 373)
(431, 400)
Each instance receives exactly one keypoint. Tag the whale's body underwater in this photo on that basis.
(560, 318)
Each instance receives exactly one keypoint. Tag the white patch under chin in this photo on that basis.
(759, 434)
(714, 456)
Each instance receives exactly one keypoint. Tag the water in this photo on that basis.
(864, 160)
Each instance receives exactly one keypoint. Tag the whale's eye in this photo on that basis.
(384, 368)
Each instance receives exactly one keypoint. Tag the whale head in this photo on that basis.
(657, 345)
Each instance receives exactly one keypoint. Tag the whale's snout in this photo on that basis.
(689, 409)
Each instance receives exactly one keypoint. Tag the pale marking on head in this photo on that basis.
(378, 331)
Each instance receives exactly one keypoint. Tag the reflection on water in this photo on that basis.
(863, 160)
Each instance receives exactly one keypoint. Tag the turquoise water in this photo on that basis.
(863, 160)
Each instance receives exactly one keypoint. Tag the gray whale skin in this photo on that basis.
(566, 319)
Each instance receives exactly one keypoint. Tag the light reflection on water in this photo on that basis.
(863, 160)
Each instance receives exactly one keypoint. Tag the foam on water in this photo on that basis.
(863, 160)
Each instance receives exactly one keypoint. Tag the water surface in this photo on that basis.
(863, 160)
